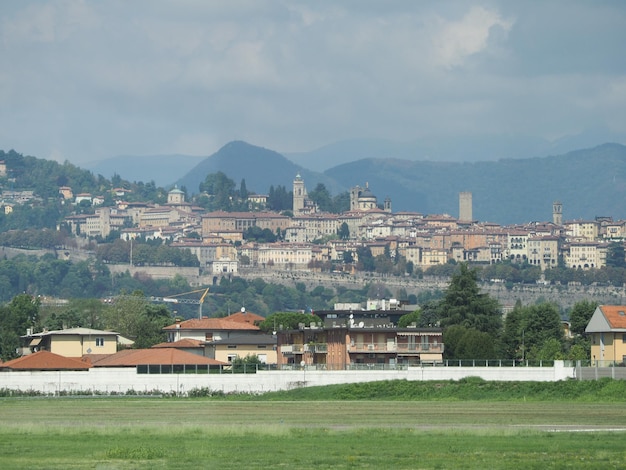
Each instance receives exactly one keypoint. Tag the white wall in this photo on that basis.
(119, 380)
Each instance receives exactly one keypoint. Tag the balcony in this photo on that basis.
(401, 348)
(288, 349)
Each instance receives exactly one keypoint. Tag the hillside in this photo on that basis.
(260, 167)
(588, 182)
(162, 169)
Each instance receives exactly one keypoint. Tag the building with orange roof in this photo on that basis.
(159, 361)
(189, 345)
(607, 331)
(44, 360)
(244, 316)
(226, 338)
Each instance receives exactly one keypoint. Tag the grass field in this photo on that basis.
(112, 433)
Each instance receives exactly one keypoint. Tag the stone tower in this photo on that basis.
(299, 194)
(387, 206)
(465, 207)
(557, 213)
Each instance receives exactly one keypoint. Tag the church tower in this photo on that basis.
(557, 213)
(299, 194)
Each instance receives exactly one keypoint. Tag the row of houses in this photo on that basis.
(424, 240)
(335, 340)
(342, 339)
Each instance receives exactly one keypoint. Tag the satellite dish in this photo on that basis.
(351, 315)
(361, 324)
(243, 309)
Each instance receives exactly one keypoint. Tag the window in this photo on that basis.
(99, 341)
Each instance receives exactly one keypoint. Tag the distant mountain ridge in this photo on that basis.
(162, 169)
(589, 182)
(260, 167)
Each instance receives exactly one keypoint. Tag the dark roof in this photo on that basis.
(245, 339)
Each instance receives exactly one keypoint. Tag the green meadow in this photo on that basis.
(301, 429)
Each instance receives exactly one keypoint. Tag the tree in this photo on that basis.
(464, 305)
(615, 256)
(580, 315)
(279, 199)
(365, 260)
(344, 231)
(16, 318)
(260, 235)
(243, 191)
(527, 329)
(287, 321)
(410, 318)
(475, 344)
(134, 317)
(221, 188)
(322, 198)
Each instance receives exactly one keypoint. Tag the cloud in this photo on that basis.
(89, 80)
(458, 40)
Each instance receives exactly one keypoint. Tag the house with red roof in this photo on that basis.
(189, 345)
(207, 329)
(244, 316)
(607, 331)
(224, 339)
(159, 361)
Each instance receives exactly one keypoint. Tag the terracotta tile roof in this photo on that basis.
(613, 315)
(154, 356)
(219, 324)
(45, 360)
(183, 343)
(245, 317)
(93, 358)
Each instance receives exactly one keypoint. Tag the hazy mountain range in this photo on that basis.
(589, 182)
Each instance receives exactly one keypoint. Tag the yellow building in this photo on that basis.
(74, 342)
(607, 331)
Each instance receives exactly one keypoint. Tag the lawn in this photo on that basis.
(136, 432)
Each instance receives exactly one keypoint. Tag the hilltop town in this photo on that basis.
(309, 238)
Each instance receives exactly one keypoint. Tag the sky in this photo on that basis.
(87, 80)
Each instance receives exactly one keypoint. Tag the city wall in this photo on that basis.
(120, 380)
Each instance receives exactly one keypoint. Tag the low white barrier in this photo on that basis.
(121, 380)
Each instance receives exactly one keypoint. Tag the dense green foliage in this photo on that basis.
(145, 253)
(326, 202)
(287, 321)
(471, 388)
(19, 315)
(134, 317)
(464, 304)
